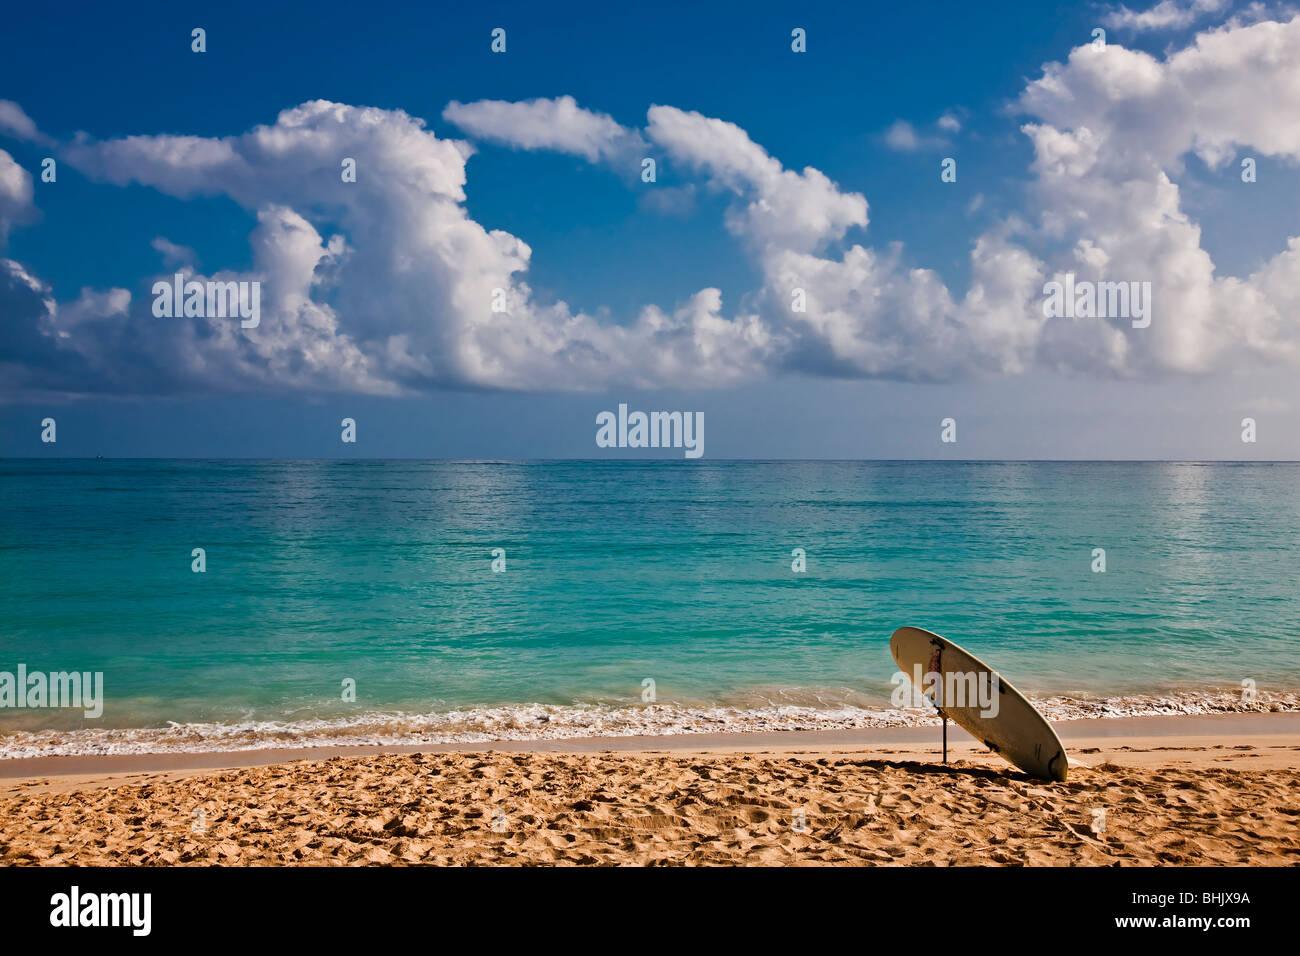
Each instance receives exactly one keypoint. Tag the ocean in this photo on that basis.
(357, 601)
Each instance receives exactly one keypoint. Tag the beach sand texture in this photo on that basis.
(1166, 802)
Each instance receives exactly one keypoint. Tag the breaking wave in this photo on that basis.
(577, 721)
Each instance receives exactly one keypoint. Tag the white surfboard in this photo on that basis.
(1017, 731)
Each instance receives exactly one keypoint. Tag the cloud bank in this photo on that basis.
(386, 285)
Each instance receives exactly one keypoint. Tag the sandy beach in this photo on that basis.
(1189, 791)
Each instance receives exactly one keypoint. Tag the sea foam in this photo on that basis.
(543, 722)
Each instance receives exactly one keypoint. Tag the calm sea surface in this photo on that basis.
(321, 572)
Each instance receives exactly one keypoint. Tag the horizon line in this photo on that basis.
(666, 459)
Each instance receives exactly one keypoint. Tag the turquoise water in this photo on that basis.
(381, 572)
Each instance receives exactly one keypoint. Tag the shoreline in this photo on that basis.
(1111, 735)
(537, 725)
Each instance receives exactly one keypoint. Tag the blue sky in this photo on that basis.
(608, 246)
(825, 109)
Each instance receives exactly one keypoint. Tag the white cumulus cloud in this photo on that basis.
(552, 124)
(1165, 15)
(386, 285)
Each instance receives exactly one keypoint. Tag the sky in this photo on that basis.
(798, 268)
